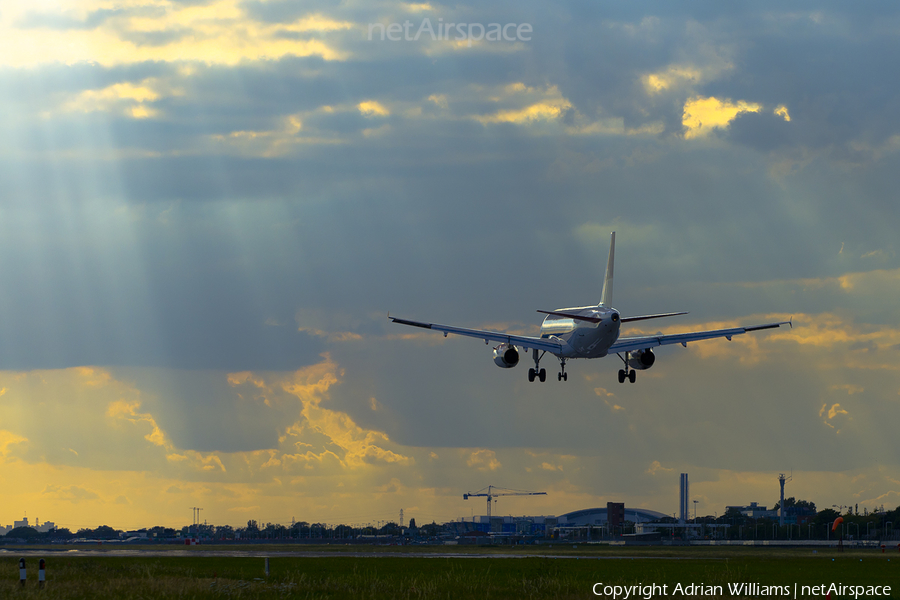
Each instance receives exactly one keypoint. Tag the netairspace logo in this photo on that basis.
(451, 32)
(743, 590)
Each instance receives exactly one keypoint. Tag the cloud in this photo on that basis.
(216, 33)
(703, 115)
(72, 493)
(371, 108)
(7, 439)
(550, 105)
(656, 467)
(483, 460)
(206, 197)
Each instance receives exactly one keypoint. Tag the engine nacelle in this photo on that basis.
(640, 359)
(506, 356)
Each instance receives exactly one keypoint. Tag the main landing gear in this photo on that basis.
(626, 373)
(541, 374)
(537, 371)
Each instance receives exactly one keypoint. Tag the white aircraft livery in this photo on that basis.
(587, 332)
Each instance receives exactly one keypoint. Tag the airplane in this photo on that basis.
(587, 332)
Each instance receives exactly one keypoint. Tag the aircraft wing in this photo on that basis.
(525, 341)
(652, 341)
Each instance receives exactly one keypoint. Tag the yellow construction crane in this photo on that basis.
(491, 493)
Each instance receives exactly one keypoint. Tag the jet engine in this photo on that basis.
(640, 359)
(506, 356)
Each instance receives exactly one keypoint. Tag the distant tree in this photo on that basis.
(23, 533)
(826, 516)
(390, 528)
(105, 532)
(806, 504)
(431, 529)
(300, 529)
(343, 531)
(412, 523)
(794, 503)
(225, 532)
(61, 533)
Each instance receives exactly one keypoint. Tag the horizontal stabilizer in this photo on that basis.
(571, 316)
(645, 317)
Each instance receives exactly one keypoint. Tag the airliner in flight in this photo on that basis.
(587, 332)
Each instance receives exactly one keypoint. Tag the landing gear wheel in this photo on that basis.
(530, 375)
(542, 375)
(632, 376)
(565, 376)
(621, 376)
(559, 376)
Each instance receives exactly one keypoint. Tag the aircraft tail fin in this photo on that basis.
(606, 294)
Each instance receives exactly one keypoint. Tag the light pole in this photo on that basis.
(695, 510)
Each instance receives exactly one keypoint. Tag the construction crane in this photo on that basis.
(492, 492)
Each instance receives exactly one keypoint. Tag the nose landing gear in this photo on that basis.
(562, 375)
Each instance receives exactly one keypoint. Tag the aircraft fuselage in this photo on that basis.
(583, 338)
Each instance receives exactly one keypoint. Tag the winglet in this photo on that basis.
(606, 294)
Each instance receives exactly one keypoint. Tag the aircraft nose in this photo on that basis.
(614, 317)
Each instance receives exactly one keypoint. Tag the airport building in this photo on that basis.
(754, 511)
(600, 516)
(615, 514)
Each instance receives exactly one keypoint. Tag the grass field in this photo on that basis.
(376, 573)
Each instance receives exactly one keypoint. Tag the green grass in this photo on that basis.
(388, 574)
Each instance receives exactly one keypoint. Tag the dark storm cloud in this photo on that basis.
(200, 411)
(168, 295)
(399, 212)
(763, 131)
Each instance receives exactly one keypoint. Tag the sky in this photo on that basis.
(209, 207)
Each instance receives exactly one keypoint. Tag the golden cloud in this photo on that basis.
(832, 412)
(535, 104)
(127, 410)
(7, 439)
(782, 111)
(220, 32)
(541, 111)
(674, 76)
(484, 460)
(702, 115)
(372, 108)
(197, 460)
(357, 446)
